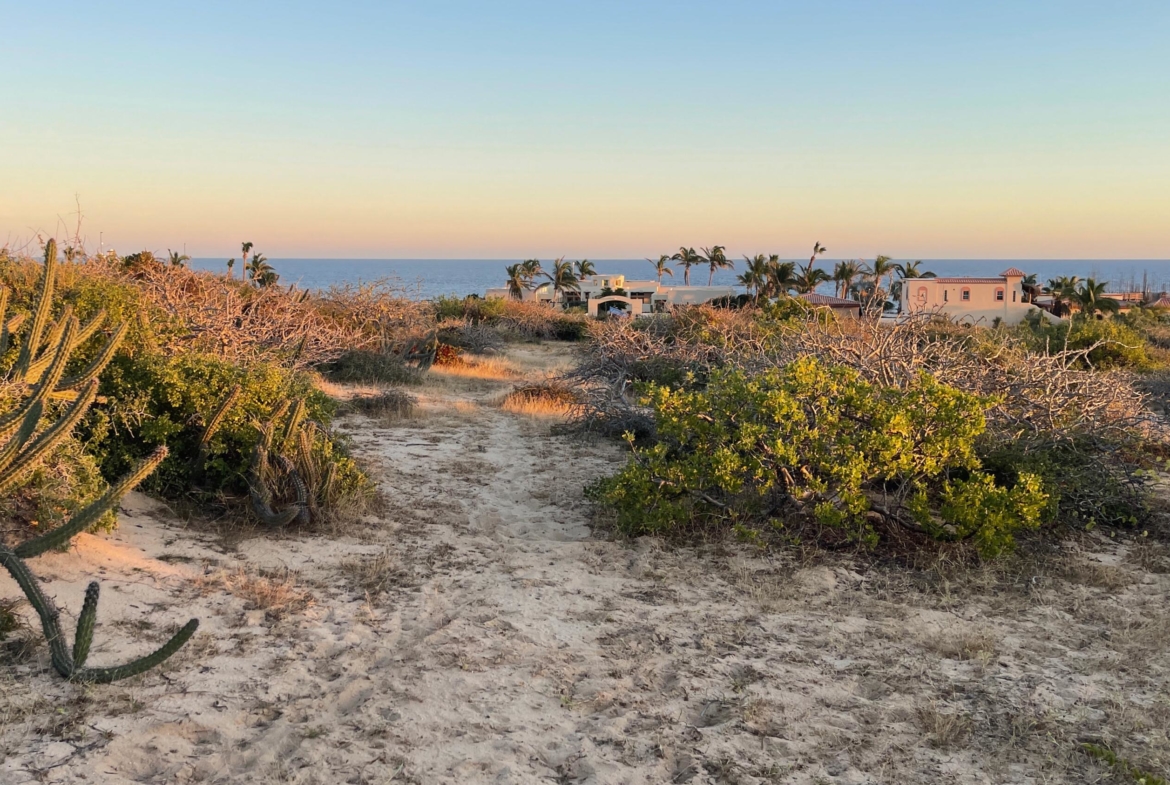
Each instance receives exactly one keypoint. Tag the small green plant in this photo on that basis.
(1137, 775)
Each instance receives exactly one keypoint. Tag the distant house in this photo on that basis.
(975, 301)
(1161, 302)
(616, 292)
(840, 307)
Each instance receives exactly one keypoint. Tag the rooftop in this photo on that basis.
(824, 299)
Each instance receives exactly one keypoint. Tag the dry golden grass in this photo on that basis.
(486, 368)
(542, 399)
(276, 593)
(374, 575)
(943, 728)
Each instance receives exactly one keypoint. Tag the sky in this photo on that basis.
(926, 129)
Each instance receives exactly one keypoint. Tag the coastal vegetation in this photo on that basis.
(781, 422)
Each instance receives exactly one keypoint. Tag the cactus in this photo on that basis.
(274, 436)
(39, 371)
(210, 428)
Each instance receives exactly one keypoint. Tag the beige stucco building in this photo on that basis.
(976, 301)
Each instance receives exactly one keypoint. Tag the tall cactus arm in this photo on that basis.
(140, 665)
(41, 314)
(46, 609)
(90, 515)
(8, 328)
(82, 335)
(295, 418)
(3, 321)
(51, 337)
(262, 497)
(98, 363)
(302, 491)
(47, 384)
(63, 660)
(85, 624)
(31, 456)
(23, 433)
(212, 426)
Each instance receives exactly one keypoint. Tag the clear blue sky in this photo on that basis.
(918, 129)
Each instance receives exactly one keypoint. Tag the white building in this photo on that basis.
(635, 297)
(976, 301)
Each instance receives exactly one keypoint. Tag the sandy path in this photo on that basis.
(476, 633)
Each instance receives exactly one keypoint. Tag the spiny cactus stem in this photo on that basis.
(88, 516)
(41, 315)
(32, 455)
(85, 625)
(23, 433)
(99, 362)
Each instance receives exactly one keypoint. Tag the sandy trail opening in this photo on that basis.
(478, 632)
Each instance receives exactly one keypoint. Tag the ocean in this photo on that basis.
(428, 278)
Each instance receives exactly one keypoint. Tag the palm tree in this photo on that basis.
(717, 260)
(660, 266)
(912, 270)
(1061, 289)
(883, 267)
(585, 268)
(562, 278)
(907, 270)
(178, 259)
(687, 258)
(755, 274)
(1031, 287)
(231, 264)
(809, 278)
(1090, 297)
(518, 280)
(531, 268)
(260, 271)
(246, 246)
(818, 249)
(781, 277)
(844, 274)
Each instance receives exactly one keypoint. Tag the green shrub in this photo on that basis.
(1121, 345)
(160, 400)
(1080, 486)
(816, 442)
(368, 367)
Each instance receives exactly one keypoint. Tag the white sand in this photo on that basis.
(511, 647)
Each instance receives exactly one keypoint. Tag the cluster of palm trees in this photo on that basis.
(872, 284)
(257, 270)
(763, 276)
(564, 276)
(1088, 296)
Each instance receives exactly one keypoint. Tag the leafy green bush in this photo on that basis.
(1080, 487)
(158, 400)
(815, 442)
(1121, 346)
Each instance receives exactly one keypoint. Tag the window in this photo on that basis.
(966, 293)
(945, 297)
(1013, 295)
(999, 295)
(922, 293)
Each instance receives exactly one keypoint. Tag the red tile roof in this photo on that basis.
(1161, 302)
(1014, 272)
(962, 280)
(832, 302)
